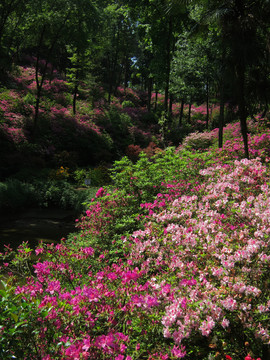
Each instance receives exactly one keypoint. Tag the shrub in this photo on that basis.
(198, 141)
(19, 325)
(190, 282)
(61, 173)
(133, 152)
(100, 176)
(108, 217)
(29, 99)
(127, 103)
(56, 193)
(15, 194)
(152, 149)
(80, 175)
(148, 177)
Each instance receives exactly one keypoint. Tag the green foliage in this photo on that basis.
(108, 218)
(117, 125)
(15, 194)
(144, 179)
(55, 193)
(98, 176)
(29, 99)
(19, 324)
(127, 103)
(79, 176)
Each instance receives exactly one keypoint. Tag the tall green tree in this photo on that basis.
(49, 26)
(157, 29)
(244, 28)
(117, 44)
(11, 17)
(193, 70)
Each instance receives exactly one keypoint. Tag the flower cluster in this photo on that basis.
(196, 270)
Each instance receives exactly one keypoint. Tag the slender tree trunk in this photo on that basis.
(266, 106)
(207, 103)
(110, 80)
(170, 105)
(36, 110)
(126, 71)
(38, 82)
(150, 84)
(43, 72)
(168, 64)
(221, 117)
(240, 77)
(181, 113)
(189, 112)
(75, 99)
(222, 101)
(156, 99)
(240, 71)
(110, 93)
(75, 93)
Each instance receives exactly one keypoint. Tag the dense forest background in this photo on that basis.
(85, 82)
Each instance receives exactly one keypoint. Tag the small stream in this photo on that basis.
(36, 225)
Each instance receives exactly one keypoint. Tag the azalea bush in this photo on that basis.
(180, 271)
(198, 141)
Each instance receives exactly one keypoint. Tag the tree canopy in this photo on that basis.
(187, 50)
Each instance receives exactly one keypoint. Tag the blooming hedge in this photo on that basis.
(183, 275)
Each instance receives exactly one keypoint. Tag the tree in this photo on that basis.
(243, 26)
(49, 25)
(191, 72)
(117, 44)
(10, 18)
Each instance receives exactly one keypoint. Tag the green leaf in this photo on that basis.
(14, 317)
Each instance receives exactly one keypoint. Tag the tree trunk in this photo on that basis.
(168, 64)
(75, 99)
(189, 112)
(170, 106)
(150, 84)
(110, 93)
(126, 71)
(240, 77)
(36, 111)
(75, 93)
(181, 113)
(221, 117)
(207, 104)
(156, 99)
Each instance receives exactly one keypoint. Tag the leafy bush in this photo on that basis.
(147, 177)
(29, 99)
(133, 152)
(108, 217)
(79, 176)
(98, 176)
(19, 325)
(56, 193)
(127, 103)
(190, 282)
(15, 194)
(198, 141)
